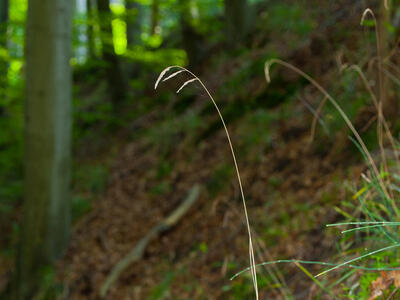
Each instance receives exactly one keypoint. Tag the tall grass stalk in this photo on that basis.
(338, 108)
(382, 93)
(379, 177)
(193, 79)
(313, 262)
(316, 281)
(358, 70)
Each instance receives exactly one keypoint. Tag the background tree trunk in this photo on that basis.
(116, 81)
(133, 22)
(4, 8)
(90, 29)
(46, 218)
(155, 16)
(236, 20)
(192, 41)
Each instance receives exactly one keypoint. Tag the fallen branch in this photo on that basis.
(137, 253)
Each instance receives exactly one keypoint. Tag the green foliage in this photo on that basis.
(256, 132)
(220, 178)
(91, 112)
(203, 247)
(11, 143)
(167, 132)
(119, 28)
(161, 290)
(16, 27)
(372, 205)
(80, 205)
(291, 19)
(94, 116)
(243, 289)
(161, 188)
(89, 181)
(165, 167)
(351, 99)
(365, 284)
(90, 178)
(156, 59)
(49, 288)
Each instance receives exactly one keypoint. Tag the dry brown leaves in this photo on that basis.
(382, 283)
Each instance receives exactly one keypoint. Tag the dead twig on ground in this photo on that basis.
(137, 253)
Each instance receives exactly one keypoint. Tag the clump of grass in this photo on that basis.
(377, 204)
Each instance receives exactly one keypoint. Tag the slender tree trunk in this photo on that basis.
(46, 220)
(90, 29)
(155, 16)
(236, 20)
(4, 7)
(192, 41)
(116, 80)
(133, 22)
(4, 11)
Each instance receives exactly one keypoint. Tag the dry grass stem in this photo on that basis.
(342, 113)
(315, 119)
(195, 78)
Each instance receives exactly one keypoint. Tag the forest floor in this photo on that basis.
(294, 187)
(296, 179)
(291, 193)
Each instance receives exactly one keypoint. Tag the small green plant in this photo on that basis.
(91, 178)
(161, 291)
(219, 178)
(161, 188)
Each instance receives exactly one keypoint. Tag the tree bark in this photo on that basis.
(46, 219)
(192, 41)
(4, 8)
(236, 20)
(90, 29)
(4, 11)
(155, 16)
(133, 22)
(115, 78)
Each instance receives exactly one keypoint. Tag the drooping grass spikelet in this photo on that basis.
(185, 84)
(161, 76)
(367, 11)
(173, 75)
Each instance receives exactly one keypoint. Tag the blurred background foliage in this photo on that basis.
(117, 54)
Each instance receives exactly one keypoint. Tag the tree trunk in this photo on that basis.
(133, 22)
(116, 80)
(192, 41)
(90, 29)
(46, 219)
(155, 16)
(4, 7)
(236, 20)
